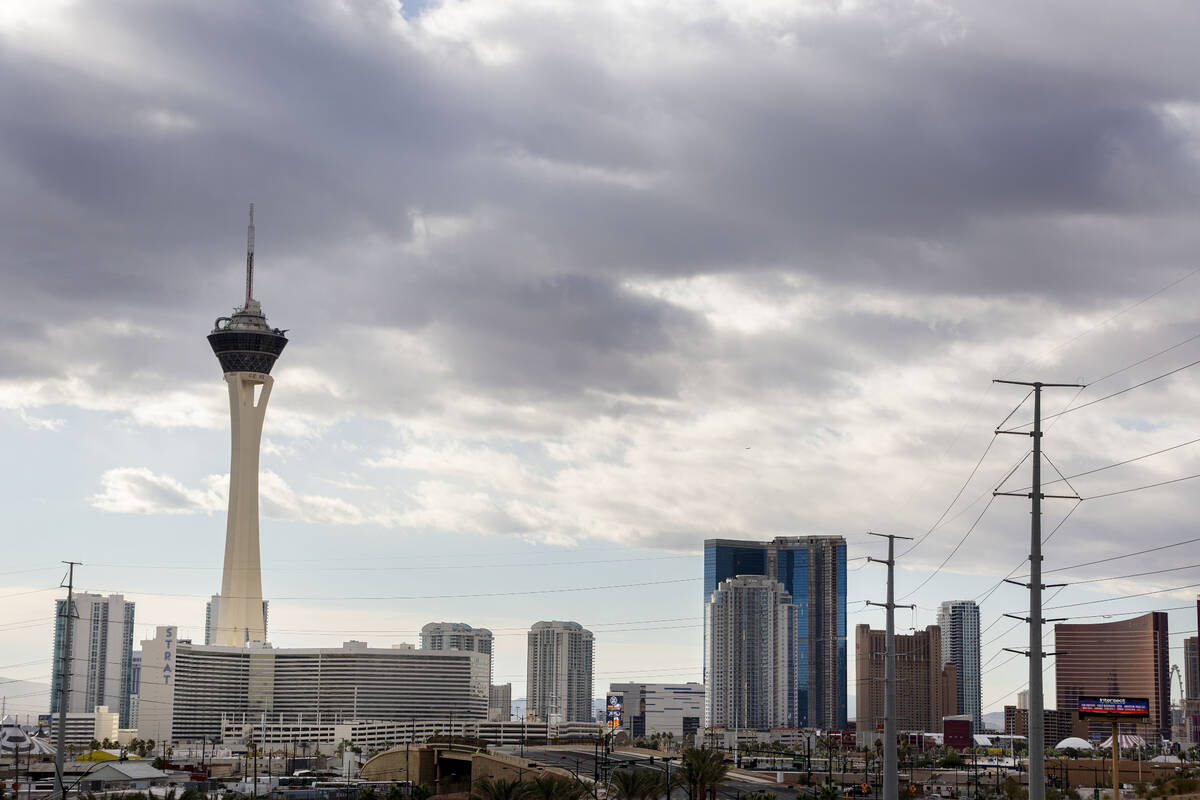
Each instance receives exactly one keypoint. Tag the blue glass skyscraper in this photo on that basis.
(813, 571)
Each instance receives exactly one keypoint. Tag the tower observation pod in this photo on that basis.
(247, 348)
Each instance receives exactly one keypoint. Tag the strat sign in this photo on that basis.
(1116, 708)
(168, 646)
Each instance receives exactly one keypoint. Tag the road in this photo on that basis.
(581, 761)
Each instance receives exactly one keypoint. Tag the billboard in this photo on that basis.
(613, 705)
(1131, 708)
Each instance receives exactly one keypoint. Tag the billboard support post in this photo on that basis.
(1116, 759)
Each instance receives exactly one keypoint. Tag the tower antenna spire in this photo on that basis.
(250, 257)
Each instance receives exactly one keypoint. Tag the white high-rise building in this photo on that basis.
(650, 708)
(559, 674)
(247, 348)
(100, 663)
(197, 689)
(457, 636)
(959, 621)
(500, 702)
(750, 655)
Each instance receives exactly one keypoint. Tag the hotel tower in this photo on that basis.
(247, 348)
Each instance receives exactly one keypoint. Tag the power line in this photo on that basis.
(1108, 396)
(1133, 575)
(1165, 350)
(1123, 597)
(1140, 488)
(1120, 463)
(434, 596)
(410, 568)
(961, 541)
(965, 483)
(1123, 555)
(987, 595)
(1109, 319)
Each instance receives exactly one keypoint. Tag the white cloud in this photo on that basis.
(137, 490)
(41, 423)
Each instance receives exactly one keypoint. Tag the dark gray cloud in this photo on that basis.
(738, 224)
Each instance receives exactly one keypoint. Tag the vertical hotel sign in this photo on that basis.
(614, 704)
(168, 650)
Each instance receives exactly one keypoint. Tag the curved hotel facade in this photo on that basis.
(197, 688)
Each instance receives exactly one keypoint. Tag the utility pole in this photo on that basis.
(67, 616)
(1037, 732)
(891, 772)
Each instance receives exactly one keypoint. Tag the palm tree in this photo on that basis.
(638, 784)
(552, 787)
(826, 793)
(497, 789)
(701, 772)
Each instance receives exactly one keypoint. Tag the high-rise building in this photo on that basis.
(650, 708)
(959, 621)
(135, 684)
(199, 687)
(500, 702)
(1022, 700)
(918, 682)
(812, 570)
(457, 636)
(750, 655)
(1191, 668)
(949, 690)
(213, 607)
(1056, 725)
(100, 664)
(1125, 658)
(247, 348)
(559, 672)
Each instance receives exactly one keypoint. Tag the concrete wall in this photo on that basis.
(421, 765)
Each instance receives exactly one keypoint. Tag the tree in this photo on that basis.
(421, 792)
(638, 784)
(827, 793)
(701, 772)
(552, 787)
(94, 744)
(497, 789)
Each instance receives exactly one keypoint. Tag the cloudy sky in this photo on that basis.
(573, 287)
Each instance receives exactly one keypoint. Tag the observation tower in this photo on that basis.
(247, 348)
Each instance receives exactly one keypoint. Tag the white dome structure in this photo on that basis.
(1073, 742)
(13, 739)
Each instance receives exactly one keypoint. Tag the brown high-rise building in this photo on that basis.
(1128, 658)
(918, 682)
(949, 690)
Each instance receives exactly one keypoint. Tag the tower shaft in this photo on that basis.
(240, 613)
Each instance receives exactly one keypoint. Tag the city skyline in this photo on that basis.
(570, 299)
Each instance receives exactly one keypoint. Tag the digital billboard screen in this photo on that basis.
(1114, 708)
(613, 706)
